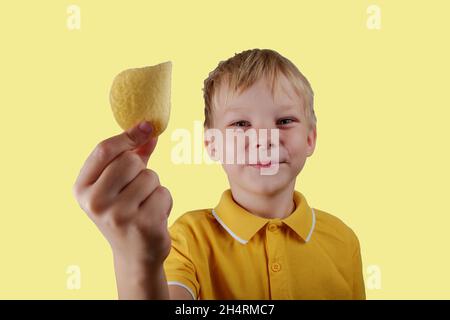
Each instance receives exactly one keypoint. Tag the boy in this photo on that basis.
(262, 240)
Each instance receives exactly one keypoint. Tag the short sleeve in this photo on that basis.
(178, 266)
(359, 291)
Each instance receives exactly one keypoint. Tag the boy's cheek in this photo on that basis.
(294, 141)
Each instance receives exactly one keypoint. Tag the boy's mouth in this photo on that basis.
(264, 165)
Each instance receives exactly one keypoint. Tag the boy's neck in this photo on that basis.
(274, 206)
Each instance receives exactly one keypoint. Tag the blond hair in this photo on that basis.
(247, 67)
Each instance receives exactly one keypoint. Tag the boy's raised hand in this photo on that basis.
(125, 199)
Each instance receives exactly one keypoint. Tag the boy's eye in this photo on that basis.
(285, 121)
(241, 123)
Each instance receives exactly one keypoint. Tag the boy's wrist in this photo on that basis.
(136, 264)
(137, 279)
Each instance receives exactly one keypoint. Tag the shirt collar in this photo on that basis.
(243, 225)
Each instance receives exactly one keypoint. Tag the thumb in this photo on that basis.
(139, 134)
(145, 143)
(138, 138)
(145, 150)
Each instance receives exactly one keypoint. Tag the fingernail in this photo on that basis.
(145, 127)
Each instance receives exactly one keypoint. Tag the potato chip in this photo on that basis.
(139, 94)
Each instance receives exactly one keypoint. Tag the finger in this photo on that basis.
(139, 189)
(157, 206)
(118, 174)
(109, 149)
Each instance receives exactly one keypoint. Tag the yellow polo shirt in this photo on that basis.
(229, 253)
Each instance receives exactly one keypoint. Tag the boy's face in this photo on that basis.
(253, 110)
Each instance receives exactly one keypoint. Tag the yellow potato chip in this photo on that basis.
(139, 94)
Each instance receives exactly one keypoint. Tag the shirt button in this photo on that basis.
(273, 227)
(276, 267)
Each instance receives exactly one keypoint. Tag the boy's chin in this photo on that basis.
(266, 185)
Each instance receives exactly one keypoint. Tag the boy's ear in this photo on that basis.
(209, 146)
(311, 141)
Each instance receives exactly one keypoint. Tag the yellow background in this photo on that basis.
(382, 103)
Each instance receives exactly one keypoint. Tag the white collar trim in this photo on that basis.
(228, 229)
(312, 225)
(245, 241)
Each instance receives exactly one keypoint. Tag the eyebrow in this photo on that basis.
(232, 109)
(238, 107)
(289, 106)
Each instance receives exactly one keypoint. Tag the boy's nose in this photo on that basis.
(269, 145)
(267, 139)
